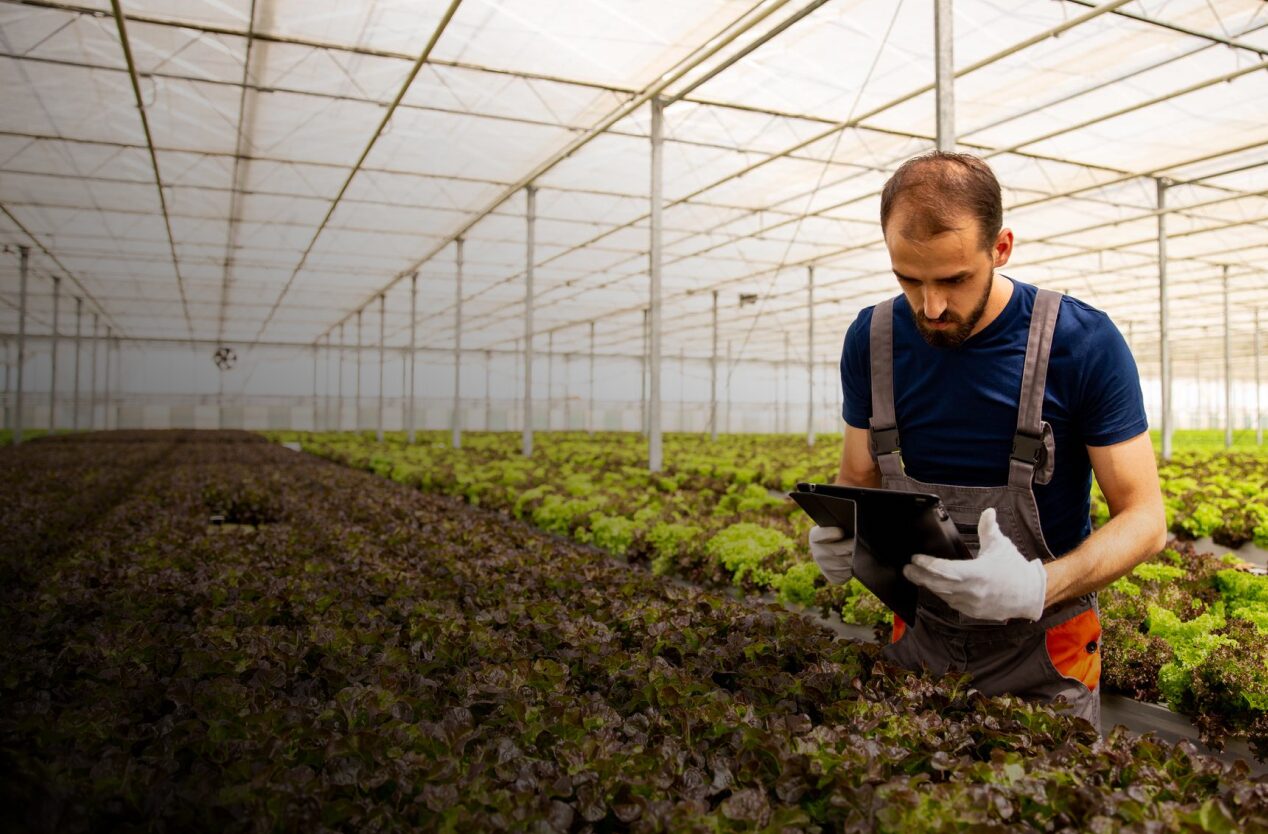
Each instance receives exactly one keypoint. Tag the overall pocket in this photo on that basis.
(1074, 648)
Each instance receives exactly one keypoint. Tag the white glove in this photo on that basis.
(999, 584)
(833, 553)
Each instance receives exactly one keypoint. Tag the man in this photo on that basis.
(1004, 400)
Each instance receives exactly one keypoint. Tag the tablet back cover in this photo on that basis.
(884, 580)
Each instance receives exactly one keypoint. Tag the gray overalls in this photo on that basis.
(1060, 654)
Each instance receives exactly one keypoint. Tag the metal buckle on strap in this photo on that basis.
(885, 440)
(1028, 449)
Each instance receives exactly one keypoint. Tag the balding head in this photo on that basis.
(938, 192)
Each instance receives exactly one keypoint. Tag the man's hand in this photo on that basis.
(999, 584)
(833, 553)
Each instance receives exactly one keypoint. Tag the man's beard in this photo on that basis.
(963, 326)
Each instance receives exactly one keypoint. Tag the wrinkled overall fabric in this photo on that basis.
(1060, 654)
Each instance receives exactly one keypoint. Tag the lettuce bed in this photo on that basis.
(346, 654)
(710, 518)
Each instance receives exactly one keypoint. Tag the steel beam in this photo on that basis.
(590, 387)
(1259, 410)
(457, 351)
(410, 422)
(656, 453)
(526, 439)
(944, 74)
(121, 25)
(642, 380)
(79, 316)
(567, 391)
(1228, 370)
(727, 418)
(52, 373)
(339, 384)
(713, 373)
(786, 386)
(1164, 354)
(810, 356)
(105, 399)
(378, 433)
(92, 378)
(24, 257)
(356, 419)
(316, 390)
(488, 394)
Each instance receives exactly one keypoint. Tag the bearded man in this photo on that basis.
(1004, 400)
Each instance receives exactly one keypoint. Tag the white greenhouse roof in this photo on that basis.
(259, 170)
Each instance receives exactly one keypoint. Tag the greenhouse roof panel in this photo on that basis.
(287, 208)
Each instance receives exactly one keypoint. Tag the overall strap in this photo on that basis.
(1030, 450)
(884, 422)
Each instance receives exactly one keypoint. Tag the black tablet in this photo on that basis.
(894, 524)
(889, 527)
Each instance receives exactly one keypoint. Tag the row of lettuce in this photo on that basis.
(344, 654)
(1184, 628)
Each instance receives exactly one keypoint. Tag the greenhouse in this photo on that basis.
(411, 410)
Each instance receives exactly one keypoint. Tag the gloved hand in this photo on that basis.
(999, 584)
(833, 553)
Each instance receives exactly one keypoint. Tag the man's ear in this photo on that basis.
(1003, 248)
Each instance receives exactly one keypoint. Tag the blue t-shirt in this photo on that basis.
(957, 407)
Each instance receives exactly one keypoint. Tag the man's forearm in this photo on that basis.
(1128, 539)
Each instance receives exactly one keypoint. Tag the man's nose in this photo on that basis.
(935, 304)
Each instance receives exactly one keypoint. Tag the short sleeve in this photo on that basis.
(856, 377)
(1112, 404)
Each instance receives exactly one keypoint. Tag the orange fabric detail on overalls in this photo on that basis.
(899, 628)
(1075, 648)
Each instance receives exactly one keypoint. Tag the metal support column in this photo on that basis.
(457, 354)
(378, 430)
(52, 373)
(786, 384)
(413, 352)
(944, 73)
(642, 380)
(331, 366)
(1164, 353)
(682, 388)
(488, 394)
(568, 391)
(655, 458)
(79, 318)
(24, 257)
(810, 356)
(339, 384)
(92, 378)
(105, 398)
(530, 215)
(590, 388)
(1228, 370)
(356, 420)
(1259, 412)
(713, 374)
(550, 381)
(1197, 383)
(316, 391)
(726, 423)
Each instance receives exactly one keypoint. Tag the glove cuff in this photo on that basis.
(1036, 608)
